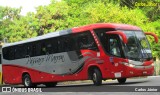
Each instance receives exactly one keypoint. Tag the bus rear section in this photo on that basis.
(96, 52)
(1, 80)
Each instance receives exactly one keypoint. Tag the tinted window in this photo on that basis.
(110, 43)
(8, 53)
(101, 34)
(114, 48)
(67, 43)
(5, 53)
(86, 41)
(50, 46)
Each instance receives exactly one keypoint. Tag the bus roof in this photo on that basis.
(105, 25)
(75, 30)
(45, 36)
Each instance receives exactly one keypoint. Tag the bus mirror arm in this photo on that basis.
(154, 35)
(123, 35)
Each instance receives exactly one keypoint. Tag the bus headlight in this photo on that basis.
(128, 64)
(125, 63)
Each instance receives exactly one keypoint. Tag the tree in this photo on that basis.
(72, 13)
(52, 17)
(7, 15)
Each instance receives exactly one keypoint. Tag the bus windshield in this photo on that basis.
(137, 47)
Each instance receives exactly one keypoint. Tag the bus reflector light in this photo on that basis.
(131, 72)
(128, 64)
(144, 72)
(152, 64)
(125, 63)
(116, 64)
(98, 54)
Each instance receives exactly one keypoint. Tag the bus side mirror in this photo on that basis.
(123, 35)
(154, 35)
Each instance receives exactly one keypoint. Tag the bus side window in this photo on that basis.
(48, 46)
(20, 51)
(16, 50)
(6, 53)
(114, 48)
(29, 50)
(43, 49)
(54, 45)
(11, 53)
(71, 43)
(60, 45)
(38, 48)
(86, 41)
(34, 48)
(24, 53)
(68, 43)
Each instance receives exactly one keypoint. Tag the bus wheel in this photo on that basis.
(97, 77)
(27, 81)
(51, 84)
(121, 80)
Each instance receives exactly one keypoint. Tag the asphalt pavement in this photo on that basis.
(141, 86)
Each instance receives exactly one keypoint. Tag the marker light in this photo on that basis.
(128, 64)
(152, 64)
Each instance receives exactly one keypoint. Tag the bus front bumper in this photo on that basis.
(139, 71)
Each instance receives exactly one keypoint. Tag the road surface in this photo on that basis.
(133, 86)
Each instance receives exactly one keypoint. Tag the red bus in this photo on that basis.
(93, 52)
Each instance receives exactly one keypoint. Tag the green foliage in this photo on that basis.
(72, 13)
(7, 19)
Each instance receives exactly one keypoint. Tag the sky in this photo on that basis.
(27, 5)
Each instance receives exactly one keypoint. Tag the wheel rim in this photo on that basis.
(27, 81)
(94, 77)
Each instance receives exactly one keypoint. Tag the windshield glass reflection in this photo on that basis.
(137, 47)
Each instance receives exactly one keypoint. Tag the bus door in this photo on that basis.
(114, 49)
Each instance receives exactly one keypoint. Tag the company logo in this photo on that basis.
(6, 89)
(13, 89)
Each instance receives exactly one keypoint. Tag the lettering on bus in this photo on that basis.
(50, 58)
(86, 45)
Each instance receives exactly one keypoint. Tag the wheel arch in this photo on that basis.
(90, 70)
(23, 74)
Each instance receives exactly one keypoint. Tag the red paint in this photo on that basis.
(105, 25)
(12, 74)
(138, 72)
(154, 35)
(146, 63)
(124, 37)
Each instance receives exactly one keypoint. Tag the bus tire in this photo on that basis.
(51, 84)
(97, 77)
(121, 80)
(26, 79)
